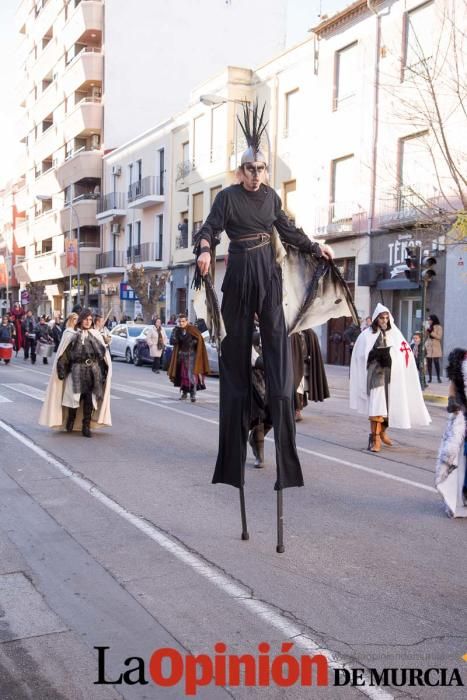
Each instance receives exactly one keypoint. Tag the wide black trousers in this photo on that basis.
(253, 284)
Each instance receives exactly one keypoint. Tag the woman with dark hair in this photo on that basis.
(451, 468)
(433, 350)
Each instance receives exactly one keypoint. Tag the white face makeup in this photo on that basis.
(253, 175)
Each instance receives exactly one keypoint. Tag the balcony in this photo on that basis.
(88, 14)
(46, 61)
(39, 268)
(21, 233)
(86, 117)
(410, 205)
(146, 192)
(46, 103)
(340, 219)
(147, 254)
(87, 261)
(45, 226)
(111, 206)
(47, 143)
(110, 261)
(84, 207)
(85, 162)
(86, 66)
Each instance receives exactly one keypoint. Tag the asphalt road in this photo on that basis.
(122, 542)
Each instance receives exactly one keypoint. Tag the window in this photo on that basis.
(218, 137)
(289, 198)
(416, 170)
(419, 25)
(341, 188)
(89, 237)
(182, 238)
(213, 193)
(161, 170)
(291, 113)
(186, 151)
(345, 76)
(159, 236)
(197, 211)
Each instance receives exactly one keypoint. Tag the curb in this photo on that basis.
(436, 399)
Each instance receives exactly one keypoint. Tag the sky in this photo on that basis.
(9, 113)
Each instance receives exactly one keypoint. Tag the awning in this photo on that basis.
(396, 283)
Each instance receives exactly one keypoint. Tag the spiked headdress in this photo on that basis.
(253, 127)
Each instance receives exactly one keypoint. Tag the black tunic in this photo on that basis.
(241, 213)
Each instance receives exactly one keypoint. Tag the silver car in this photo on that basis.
(124, 338)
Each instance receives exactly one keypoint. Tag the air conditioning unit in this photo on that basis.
(116, 170)
(115, 229)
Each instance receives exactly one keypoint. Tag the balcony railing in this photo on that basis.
(409, 205)
(112, 258)
(146, 187)
(85, 49)
(339, 218)
(71, 154)
(144, 252)
(113, 200)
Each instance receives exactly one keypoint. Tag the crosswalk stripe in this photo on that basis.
(31, 391)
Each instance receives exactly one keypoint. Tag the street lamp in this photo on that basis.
(43, 197)
(211, 100)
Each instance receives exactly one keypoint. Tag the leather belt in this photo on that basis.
(260, 237)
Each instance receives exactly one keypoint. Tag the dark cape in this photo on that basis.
(307, 360)
(201, 363)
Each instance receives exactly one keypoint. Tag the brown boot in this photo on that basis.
(385, 439)
(375, 436)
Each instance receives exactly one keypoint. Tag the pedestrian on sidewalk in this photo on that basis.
(157, 341)
(79, 385)
(433, 349)
(384, 381)
(451, 467)
(189, 362)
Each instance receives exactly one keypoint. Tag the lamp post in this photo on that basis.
(212, 100)
(42, 198)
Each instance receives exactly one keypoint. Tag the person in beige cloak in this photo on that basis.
(79, 385)
(156, 340)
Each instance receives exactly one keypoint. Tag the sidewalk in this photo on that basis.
(338, 378)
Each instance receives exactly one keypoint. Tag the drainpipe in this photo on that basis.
(374, 139)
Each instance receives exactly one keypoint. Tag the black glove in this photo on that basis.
(453, 405)
(61, 371)
(259, 364)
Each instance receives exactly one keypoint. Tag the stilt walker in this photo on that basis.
(250, 213)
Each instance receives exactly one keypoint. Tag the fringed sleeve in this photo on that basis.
(210, 231)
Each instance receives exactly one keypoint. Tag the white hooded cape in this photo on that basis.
(59, 394)
(406, 405)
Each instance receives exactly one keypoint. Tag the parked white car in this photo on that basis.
(124, 338)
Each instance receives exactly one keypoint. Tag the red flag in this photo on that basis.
(71, 250)
(3, 275)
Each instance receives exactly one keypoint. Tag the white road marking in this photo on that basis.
(26, 389)
(344, 462)
(234, 590)
(3, 399)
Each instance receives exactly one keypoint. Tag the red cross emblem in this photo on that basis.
(405, 348)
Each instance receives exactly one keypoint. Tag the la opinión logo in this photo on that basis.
(168, 667)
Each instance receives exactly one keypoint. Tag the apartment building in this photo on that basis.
(10, 252)
(134, 214)
(60, 92)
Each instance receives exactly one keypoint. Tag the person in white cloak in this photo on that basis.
(451, 471)
(384, 382)
(79, 384)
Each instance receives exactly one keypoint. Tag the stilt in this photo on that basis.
(280, 549)
(245, 535)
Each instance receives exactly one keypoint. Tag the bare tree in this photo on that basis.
(148, 289)
(431, 100)
(36, 291)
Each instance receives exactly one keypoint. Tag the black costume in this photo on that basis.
(29, 331)
(253, 283)
(308, 364)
